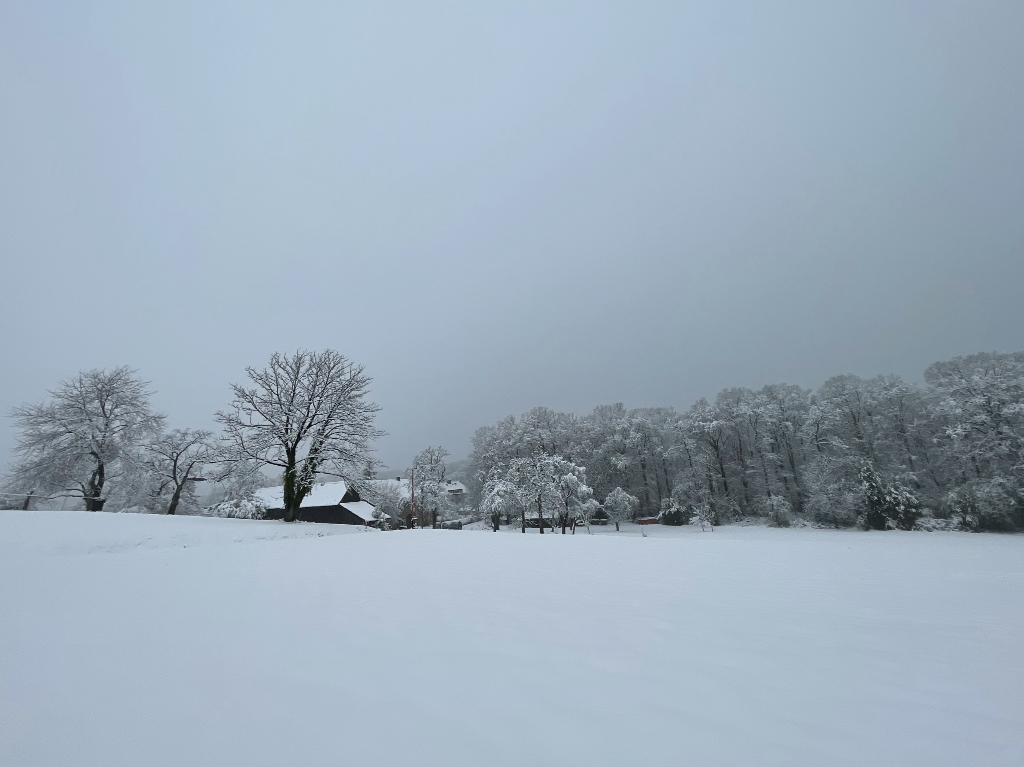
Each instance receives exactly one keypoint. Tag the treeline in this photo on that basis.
(877, 452)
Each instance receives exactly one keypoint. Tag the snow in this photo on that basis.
(57, 533)
(361, 509)
(321, 494)
(136, 639)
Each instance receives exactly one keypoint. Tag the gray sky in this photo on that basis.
(495, 207)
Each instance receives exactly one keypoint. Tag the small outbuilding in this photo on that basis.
(331, 502)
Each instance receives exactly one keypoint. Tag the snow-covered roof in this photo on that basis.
(322, 494)
(453, 486)
(361, 509)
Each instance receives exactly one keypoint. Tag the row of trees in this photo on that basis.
(97, 438)
(538, 487)
(880, 452)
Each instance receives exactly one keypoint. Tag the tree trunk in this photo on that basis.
(721, 469)
(291, 506)
(28, 500)
(175, 498)
(94, 492)
(540, 515)
(647, 487)
(796, 477)
(928, 463)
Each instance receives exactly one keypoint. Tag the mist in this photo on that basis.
(498, 207)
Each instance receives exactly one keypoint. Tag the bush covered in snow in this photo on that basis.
(671, 513)
(887, 505)
(779, 511)
(994, 504)
(238, 508)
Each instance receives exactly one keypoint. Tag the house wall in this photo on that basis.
(334, 515)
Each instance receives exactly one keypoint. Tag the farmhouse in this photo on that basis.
(332, 502)
(456, 490)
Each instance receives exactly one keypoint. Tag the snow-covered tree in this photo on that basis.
(426, 478)
(535, 480)
(249, 507)
(671, 513)
(979, 404)
(500, 500)
(387, 499)
(307, 414)
(620, 506)
(572, 488)
(178, 459)
(234, 493)
(888, 506)
(694, 495)
(784, 452)
(77, 443)
(585, 512)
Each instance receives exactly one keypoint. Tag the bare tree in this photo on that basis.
(307, 414)
(74, 444)
(178, 458)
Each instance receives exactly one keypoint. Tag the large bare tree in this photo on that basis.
(307, 414)
(75, 443)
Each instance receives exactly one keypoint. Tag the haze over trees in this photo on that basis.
(879, 452)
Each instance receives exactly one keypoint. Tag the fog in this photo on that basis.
(496, 207)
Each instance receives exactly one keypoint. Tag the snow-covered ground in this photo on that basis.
(147, 640)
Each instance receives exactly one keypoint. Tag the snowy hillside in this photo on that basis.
(74, 532)
(133, 639)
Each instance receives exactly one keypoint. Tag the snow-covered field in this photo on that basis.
(147, 640)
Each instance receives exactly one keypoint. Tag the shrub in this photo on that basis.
(671, 513)
(992, 504)
(779, 511)
(887, 506)
(238, 508)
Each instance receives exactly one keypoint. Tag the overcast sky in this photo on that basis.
(495, 207)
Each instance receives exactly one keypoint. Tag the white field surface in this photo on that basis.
(146, 640)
